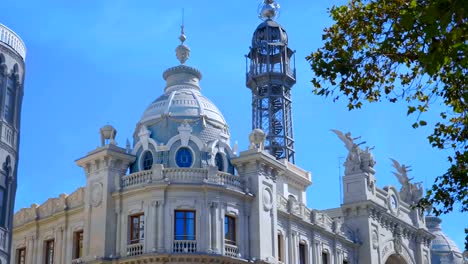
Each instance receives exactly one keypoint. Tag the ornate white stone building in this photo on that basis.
(12, 68)
(182, 194)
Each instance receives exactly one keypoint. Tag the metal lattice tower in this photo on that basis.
(270, 76)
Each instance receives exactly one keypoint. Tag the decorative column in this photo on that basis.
(154, 216)
(214, 240)
(64, 243)
(291, 246)
(57, 242)
(30, 250)
(118, 211)
(160, 233)
(208, 229)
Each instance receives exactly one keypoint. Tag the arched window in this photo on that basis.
(147, 160)
(219, 161)
(3, 70)
(9, 110)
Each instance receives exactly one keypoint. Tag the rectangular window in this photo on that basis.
(137, 228)
(302, 253)
(78, 244)
(280, 247)
(230, 230)
(184, 225)
(324, 258)
(21, 256)
(49, 252)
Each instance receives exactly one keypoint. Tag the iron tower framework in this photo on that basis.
(270, 76)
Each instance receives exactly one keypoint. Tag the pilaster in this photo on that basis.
(261, 169)
(103, 167)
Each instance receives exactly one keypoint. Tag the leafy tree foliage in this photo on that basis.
(405, 50)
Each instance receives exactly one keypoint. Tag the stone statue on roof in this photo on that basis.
(357, 160)
(409, 192)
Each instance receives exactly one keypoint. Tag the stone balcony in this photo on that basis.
(135, 249)
(10, 38)
(159, 174)
(184, 246)
(231, 251)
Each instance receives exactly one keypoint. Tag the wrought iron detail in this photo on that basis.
(270, 76)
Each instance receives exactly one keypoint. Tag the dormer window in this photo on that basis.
(219, 161)
(147, 160)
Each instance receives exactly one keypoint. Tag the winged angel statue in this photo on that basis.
(409, 192)
(357, 160)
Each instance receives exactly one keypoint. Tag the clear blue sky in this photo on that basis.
(92, 63)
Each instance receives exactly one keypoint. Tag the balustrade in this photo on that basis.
(135, 249)
(77, 261)
(184, 175)
(137, 178)
(184, 246)
(11, 39)
(231, 251)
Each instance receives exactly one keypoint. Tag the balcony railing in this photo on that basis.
(11, 39)
(231, 251)
(184, 246)
(77, 261)
(135, 249)
(182, 175)
(137, 178)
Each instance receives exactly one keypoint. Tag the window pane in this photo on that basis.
(179, 228)
(179, 214)
(302, 256)
(190, 215)
(184, 225)
(190, 229)
(49, 252)
(80, 245)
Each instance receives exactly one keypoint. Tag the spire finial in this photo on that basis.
(182, 36)
(268, 9)
(182, 51)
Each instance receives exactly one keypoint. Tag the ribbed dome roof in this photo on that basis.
(441, 242)
(182, 100)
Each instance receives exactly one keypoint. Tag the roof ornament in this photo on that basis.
(268, 9)
(182, 51)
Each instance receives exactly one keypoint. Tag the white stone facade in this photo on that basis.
(181, 194)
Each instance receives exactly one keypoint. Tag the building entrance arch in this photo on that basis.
(395, 259)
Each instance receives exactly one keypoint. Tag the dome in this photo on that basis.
(182, 128)
(270, 32)
(442, 247)
(182, 100)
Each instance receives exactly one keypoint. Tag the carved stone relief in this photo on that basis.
(96, 194)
